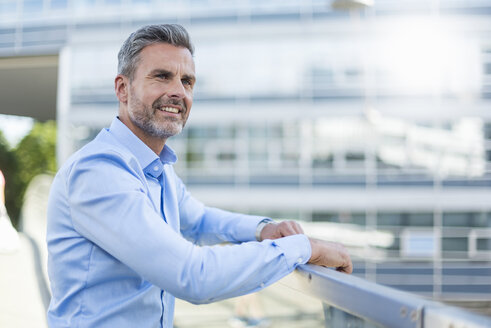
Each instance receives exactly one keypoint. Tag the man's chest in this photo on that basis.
(162, 194)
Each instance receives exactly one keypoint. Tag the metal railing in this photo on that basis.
(378, 304)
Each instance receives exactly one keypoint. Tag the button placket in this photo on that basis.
(162, 196)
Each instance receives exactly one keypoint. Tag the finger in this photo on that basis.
(287, 229)
(298, 228)
(348, 268)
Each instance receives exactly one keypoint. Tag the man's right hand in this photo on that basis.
(329, 254)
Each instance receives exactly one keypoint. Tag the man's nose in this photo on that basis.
(176, 89)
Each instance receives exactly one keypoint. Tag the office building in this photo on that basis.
(375, 117)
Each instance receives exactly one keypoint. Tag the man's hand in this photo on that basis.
(330, 254)
(282, 229)
(324, 253)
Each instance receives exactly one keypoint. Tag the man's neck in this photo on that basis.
(154, 143)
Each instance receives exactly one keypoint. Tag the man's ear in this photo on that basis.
(121, 85)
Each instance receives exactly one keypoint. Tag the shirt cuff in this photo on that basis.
(246, 228)
(296, 249)
(260, 227)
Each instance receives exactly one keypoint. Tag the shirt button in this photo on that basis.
(262, 285)
(156, 168)
(299, 260)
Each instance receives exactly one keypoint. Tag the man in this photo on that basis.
(121, 224)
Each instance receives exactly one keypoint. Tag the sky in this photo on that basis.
(14, 128)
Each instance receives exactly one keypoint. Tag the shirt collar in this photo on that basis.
(149, 161)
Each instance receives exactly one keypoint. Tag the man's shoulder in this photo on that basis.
(104, 147)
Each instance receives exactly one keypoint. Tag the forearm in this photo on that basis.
(215, 273)
(212, 226)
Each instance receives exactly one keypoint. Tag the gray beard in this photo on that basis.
(153, 129)
(144, 119)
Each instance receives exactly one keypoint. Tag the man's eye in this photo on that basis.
(162, 76)
(187, 82)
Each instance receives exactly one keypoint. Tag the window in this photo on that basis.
(58, 4)
(420, 219)
(483, 244)
(355, 159)
(405, 219)
(418, 243)
(487, 131)
(342, 217)
(8, 7)
(389, 219)
(463, 219)
(487, 68)
(33, 6)
(455, 219)
(358, 218)
(454, 244)
(325, 217)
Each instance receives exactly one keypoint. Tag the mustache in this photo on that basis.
(175, 102)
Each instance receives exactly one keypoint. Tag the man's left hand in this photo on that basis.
(282, 229)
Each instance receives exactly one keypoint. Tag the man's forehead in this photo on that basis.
(166, 56)
(167, 50)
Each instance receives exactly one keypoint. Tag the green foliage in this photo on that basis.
(35, 154)
(9, 167)
(36, 151)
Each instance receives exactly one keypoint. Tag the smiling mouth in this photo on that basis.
(169, 109)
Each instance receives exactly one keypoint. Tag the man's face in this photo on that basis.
(161, 92)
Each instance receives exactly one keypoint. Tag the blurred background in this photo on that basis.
(368, 121)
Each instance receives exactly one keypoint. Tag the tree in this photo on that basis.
(35, 154)
(9, 167)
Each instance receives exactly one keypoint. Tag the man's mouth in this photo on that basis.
(169, 109)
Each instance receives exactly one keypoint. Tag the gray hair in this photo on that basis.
(128, 55)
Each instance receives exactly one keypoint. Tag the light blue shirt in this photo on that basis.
(123, 236)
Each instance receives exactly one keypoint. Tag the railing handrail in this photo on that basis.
(379, 304)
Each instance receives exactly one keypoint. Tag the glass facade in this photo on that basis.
(289, 112)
